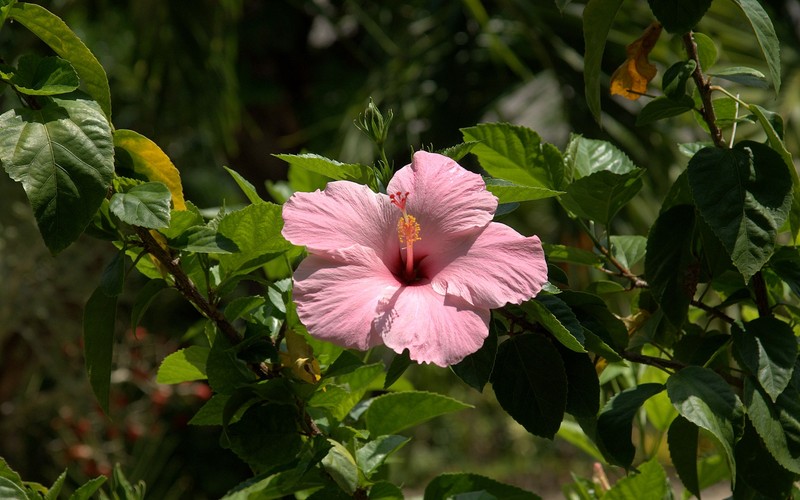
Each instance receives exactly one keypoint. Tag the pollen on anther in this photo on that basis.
(408, 229)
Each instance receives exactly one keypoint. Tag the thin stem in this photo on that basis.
(704, 87)
(624, 272)
(188, 289)
(713, 311)
(760, 291)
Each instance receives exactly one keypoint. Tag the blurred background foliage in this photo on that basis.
(231, 82)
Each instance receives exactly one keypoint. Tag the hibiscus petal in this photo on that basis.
(337, 295)
(498, 266)
(344, 214)
(434, 329)
(445, 198)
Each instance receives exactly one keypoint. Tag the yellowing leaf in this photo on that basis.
(630, 80)
(150, 161)
(299, 358)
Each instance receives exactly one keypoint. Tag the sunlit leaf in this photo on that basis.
(184, 365)
(148, 160)
(145, 205)
(649, 482)
(766, 36)
(329, 168)
(44, 76)
(64, 42)
(393, 412)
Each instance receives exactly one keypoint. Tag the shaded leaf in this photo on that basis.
(599, 196)
(558, 319)
(598, 16)
(742, 75)
(649, 482)
(583, 387)
(266, 436)
(768, 349)
(588, 156)
(778, 424)
(398, 366)
(64, 42)
(144, 298)
(44, 76)
(759, 471)
(744, 194)
(391, 413)
(458, 151)
(473, 486)
(374, 453)
(341, 466)
(628, 250)
(63, 156)
(673, 83)
(682, 440)
(476, 369)
(663, 107)
(615, 423)
(679, 16)
(563, 253)
(705, 399)
(530, 383)
(99, 319)
(669, 262)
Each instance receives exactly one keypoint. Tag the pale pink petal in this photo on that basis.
(445, 198)
(435, 329)
(344, 214)
(497, 267)
(337, 296)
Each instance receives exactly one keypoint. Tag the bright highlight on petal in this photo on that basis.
(418, 269)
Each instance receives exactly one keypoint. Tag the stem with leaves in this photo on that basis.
(704, 88)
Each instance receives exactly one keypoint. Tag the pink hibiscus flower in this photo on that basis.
(418, 269)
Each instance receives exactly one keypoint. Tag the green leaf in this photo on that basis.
(143, 300)
(226, 372)
(679, 16)
(585, 157)
(266, 436)
(768, 349)
(508, 192)
(742, 75)
(778, 423)
(113, 277)
(397, 367)
(211, 412)
(706, 50)
(184, 365)
(776, 142)
(628, 250)
(759, 474)
(341, 465)
(530, 383)
(669, 262)
(393, 412)
(64, 158)
(458, 151)
(673, 83)
(594, 315)
(256, 231)
(145, 205)
(650, 482)
(615, 422)
(345, 390)
(99, 319)
(598, 16)
(203, 239)
(54, 491)
(146, 159)
(329, 168)
(557, 318)
(664, 107)
(785, 262)
(705, 399)
(599, 196)
(269, 486)
(682, 440)
(88, 489)
(44, 76)
(374, 453)
(767, 39)
(247, 188)
(516, 154)
(55, 33)
(11, 491)
(563, 253)
(744, 194)
(476, 369)
(384, 490)
(461, 485)
(583, 387)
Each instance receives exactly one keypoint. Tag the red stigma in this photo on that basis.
(398, 199)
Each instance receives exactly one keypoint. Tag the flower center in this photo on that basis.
(407, 232)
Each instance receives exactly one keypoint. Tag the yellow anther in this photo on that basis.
(408, 229)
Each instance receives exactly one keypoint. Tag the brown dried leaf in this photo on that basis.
(631, 78)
